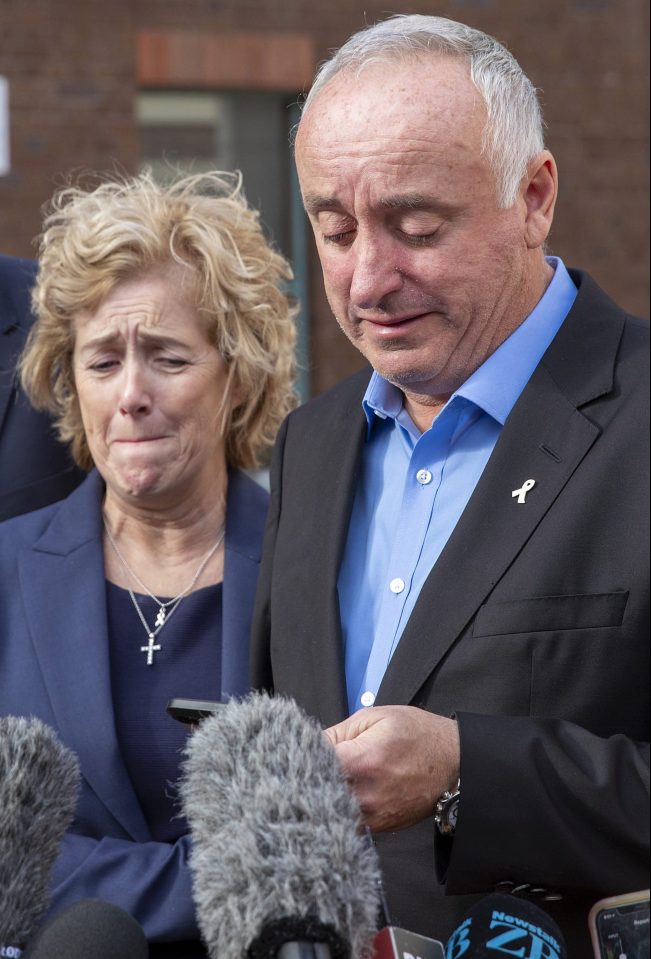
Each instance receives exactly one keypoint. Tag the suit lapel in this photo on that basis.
(245, 512)
(341, 461)
(492, 530)
(545, 439)
(64, 593)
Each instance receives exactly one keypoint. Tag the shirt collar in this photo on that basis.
(496, 385)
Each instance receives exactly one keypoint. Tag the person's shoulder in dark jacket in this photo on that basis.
(35, 468)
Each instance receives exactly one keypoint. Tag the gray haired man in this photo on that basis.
(455, 577)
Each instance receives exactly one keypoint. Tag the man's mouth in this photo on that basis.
(393, 324)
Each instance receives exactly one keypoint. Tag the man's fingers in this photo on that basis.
(353, 726)
(350, 755)
(398, 760)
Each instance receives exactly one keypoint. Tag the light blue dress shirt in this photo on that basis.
(413, 488)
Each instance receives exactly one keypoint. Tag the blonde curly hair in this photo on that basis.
(94, 238)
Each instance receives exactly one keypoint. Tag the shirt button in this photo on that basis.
(367, 698)
(397, 585)
(424, 477)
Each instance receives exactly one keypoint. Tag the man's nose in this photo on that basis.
(135, 396)
(375, 272)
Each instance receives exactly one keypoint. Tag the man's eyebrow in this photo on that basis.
(315, 203)
(417, 201)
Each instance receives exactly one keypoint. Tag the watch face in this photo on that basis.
(447, 811)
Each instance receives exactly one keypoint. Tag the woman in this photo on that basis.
(164, 348)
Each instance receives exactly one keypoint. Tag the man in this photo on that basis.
(35, 469)
(460, 540)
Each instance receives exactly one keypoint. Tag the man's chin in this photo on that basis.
(407, 377)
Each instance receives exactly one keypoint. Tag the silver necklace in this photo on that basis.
(165, 609)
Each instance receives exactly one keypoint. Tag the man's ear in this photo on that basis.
(539, 192)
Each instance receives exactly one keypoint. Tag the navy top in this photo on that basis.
(188, 665)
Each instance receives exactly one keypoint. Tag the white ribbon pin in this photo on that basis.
(524, 489)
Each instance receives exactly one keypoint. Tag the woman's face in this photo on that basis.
(150, 387)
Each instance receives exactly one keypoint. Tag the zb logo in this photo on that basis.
(459, 942)
(514, 938)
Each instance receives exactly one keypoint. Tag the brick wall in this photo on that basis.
(73, 78)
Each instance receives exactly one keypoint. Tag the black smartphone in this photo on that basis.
(192, 711)
(619, 926)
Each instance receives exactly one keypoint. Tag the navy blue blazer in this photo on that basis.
(54, 664)
(35, 468)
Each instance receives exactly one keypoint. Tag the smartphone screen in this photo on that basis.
(192, 711)
(623, 930)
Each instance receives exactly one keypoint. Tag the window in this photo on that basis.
(192, 132)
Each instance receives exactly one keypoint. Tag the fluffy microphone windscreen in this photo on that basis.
(507, 925)
(39, 779)
(90, 929)
(276, 834)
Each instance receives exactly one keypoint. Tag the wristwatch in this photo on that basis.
(447, 809)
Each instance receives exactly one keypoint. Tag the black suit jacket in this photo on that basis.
(35, 469)
(532, 628)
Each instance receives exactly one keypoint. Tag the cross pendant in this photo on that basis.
(150, 649)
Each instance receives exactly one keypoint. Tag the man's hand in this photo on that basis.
(398, 760)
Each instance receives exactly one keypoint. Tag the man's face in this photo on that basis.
(423, 271)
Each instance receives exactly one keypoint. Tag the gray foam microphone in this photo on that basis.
(39, 779)
(280, 865)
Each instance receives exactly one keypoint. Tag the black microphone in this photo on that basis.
(281, 867)
(508, 925)
(90, 929)
(39, 780)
